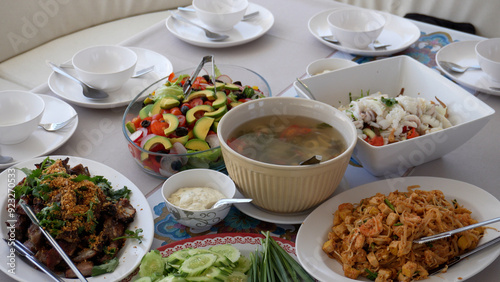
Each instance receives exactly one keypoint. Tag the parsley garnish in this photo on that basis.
(132, 235)
(389, 102)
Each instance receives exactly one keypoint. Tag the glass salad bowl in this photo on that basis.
(167, 132)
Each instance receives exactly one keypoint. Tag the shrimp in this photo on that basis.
(373, 226)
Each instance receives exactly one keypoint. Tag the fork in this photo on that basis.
(376, 44)
(210, 35)
(56, 125)
(456, 67)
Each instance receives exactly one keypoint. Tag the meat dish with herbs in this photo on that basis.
(87, 218)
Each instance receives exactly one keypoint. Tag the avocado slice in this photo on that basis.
(202, 126)
(220, 101)
(215, 126)
(207, 93)
(153, 141)
(217, 113)
(144, 112)
(197, 145)
(173, 123)
(190, 118)
(164, 103)
(231, 86)
(218, 86)
(234, 104)
(181, 140)
(130, 127)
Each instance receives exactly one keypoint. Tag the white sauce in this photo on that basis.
(195, 198)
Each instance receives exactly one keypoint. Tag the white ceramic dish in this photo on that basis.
(467, 113)
(220, 15)
(243, 32)
(281, 218)
(246, 243)
(463, 53)
(42, 142)
(131, 254)
(399, 32)
(71, 92)
(313, 232)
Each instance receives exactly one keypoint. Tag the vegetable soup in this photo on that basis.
(286, 140)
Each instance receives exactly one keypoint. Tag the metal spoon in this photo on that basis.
(143, 71)
(209, 34)
(5, 159)
(376, 44)
(449, 66)
(310, 96)
(54, 126)
(89, 92)
(316, 159)
(222, 202)
(245, 17)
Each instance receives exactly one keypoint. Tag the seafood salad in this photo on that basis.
(381, 119)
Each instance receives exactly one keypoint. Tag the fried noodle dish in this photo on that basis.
(86, 217)
(375, 237)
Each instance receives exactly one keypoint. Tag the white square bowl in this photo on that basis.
(466, 112)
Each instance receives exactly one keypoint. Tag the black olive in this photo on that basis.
(176, 165)
(240, 95)
(207, 77)
(184, 109)
(145, 123)
(204, 99)
(181, 131)
(238, 83)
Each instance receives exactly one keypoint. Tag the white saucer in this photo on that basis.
(399, 32)
(282, 218)
(463, 53)
(243, 32)
(71, 91)
(41, 142)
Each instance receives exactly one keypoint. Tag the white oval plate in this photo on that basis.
(42, 142)
(281, 218)
(71, 91)
(464, 53)
(314, 231)
(399, 32)
(243, 32)
(129, 256)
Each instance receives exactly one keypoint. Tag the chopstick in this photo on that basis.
(52, 241)
(455, 231)
(25, 252)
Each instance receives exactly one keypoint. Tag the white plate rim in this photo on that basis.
(313, 232)
(201, 41)
(410, 27)
(462, 79)
(163, 67)
(66, 133)
(281, 218)
(130, 255)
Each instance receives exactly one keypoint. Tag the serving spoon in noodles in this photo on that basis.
(455, 231)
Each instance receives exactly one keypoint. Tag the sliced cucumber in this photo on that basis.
(178, 257)
(243, 264)
(195, 265)
(237, 276)
(228, 251)
(369, 132)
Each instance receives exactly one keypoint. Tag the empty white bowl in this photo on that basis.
(105, 67)
(355, 28)
(201, 220)
(328, 64)
(220, 15)
(488, 56)
(20, 114)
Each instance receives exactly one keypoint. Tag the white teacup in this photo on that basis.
(488, 56)
(220, 15)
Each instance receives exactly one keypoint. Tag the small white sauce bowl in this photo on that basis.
(220, 15)
(329, 64)
(105, 67)
(199, 221)
(20, 114)
(355, 28)
(488, 56)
